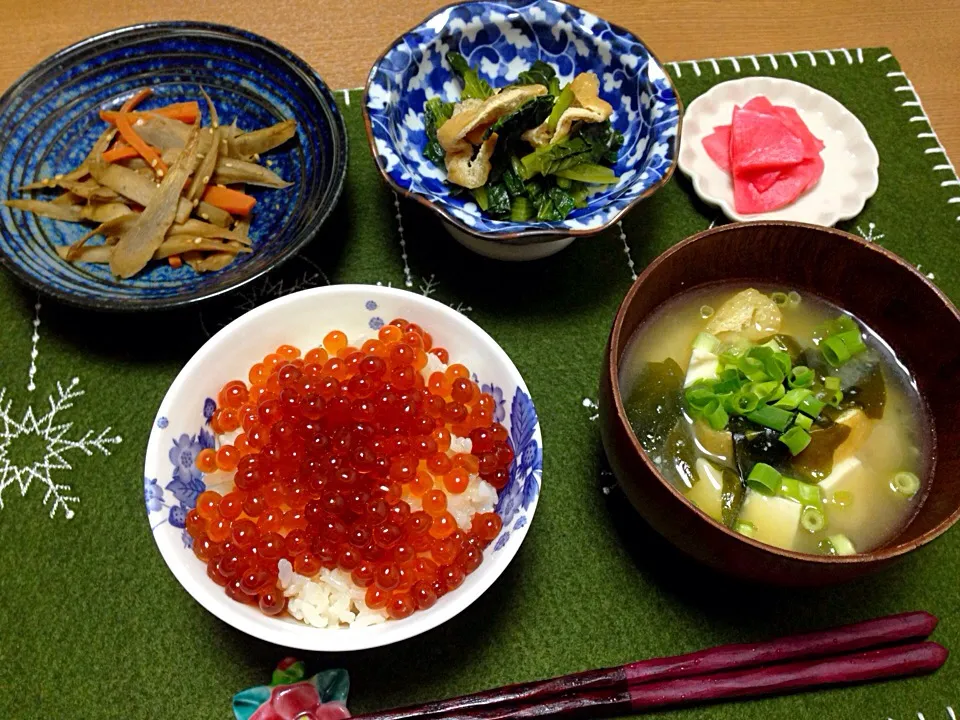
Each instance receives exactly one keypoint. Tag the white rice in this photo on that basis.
(434, 364)
(328, 600)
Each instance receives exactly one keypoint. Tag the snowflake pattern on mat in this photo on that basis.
(870, 235)
(50, 430)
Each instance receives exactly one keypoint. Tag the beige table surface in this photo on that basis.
(342, 38)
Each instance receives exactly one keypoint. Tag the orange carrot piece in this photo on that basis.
(175, 261)
(185, 112)
(137, 98)
(120, 152)
(233, 201)
(149, 154)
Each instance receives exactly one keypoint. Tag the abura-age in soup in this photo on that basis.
(780, 416)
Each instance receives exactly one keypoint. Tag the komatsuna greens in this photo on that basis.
(531, 150)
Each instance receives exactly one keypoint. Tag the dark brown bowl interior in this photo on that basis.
(881, 289)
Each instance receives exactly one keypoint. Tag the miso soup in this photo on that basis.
(781, 416)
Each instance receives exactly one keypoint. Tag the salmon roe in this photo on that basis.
(341, 458)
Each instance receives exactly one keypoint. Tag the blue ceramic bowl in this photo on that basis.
(48, 122)
(502, 39)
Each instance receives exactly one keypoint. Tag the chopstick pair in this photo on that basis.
(855, 653)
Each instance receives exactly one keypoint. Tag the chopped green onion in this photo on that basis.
(752, 368)
(706, 341)
(810, 495)
(700, 394)
(745, 528)
(480, 195)
(520, 209)
(764, 479)
(831, 397)
(811, 406)
(564, 100)
(777, 394)
(800, 377)
(791, 399)
(790, 488)
(843, 323)
(842, 545)
(745, 402)
(840, 324)
(796, 439)
(812, 519)
(905, 483)
(831, 383)
(727, 386)
(771, 417)
(706, 312)
(779, 298)
(716, 415)
(777, 366)
(806, 494)
(853, 340)
(803, 421)
(794, 297)
(843, 498)
(834, 351)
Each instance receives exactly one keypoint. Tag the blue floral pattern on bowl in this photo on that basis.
(526, 472)
(502, 39)
(179, 495)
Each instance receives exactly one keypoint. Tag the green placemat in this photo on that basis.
(93, 625)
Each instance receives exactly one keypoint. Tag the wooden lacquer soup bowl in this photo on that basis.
(878, 287)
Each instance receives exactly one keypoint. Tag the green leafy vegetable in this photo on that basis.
(498, 199)
(513, 182)
(474, 86)
(563, 102)
(436, 113)
(592, 144)
(480, 195)
(589, 173)
(520, 209)
(530, 114)
(539, 74)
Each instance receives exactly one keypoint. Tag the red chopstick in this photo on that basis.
(849, 638)
(883, 664)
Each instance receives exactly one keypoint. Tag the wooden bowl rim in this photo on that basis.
(883, 553)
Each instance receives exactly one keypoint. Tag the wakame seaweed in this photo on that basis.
(655, 403)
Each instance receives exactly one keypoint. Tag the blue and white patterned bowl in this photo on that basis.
(181, 429)
(48, 122)
(502, 39)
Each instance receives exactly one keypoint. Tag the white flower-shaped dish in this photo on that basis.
(181, 429)
(850, 158)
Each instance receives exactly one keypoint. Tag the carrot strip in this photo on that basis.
(175, 261)
(138, 97)
(185, 112)
(151, 156)
(233, 201)
(120, 152)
